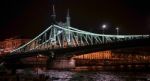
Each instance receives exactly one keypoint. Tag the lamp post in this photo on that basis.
(117, 29)
(103, 27)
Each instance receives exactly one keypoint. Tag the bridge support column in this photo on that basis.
(49, 62)
(61, 63)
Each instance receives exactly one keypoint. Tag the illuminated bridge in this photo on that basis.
(63, 39)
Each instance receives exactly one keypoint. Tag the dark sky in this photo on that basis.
(27, 18)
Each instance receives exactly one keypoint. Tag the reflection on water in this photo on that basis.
(59, 75)
(41, 74)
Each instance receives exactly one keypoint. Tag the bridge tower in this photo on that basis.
(67, 26)
(68, 19)
(53, 23)
(53, 16)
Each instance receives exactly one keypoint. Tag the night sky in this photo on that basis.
(27, 18)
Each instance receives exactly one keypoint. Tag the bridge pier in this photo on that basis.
(61, 63)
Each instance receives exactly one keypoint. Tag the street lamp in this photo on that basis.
(117, 30)
(103, 28)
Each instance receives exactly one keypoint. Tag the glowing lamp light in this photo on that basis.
(104, 26)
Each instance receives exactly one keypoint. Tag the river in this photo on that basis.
(62, 75)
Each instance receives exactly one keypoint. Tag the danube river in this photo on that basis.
(65, 75)
(55, 75)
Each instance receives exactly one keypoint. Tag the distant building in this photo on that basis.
(96, 55)
(10, 44)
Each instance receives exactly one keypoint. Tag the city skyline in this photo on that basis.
(28, 18)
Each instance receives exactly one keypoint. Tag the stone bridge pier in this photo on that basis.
(61, 63)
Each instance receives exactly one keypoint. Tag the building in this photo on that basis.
(9, 44)
(1, 47)
(96, 55)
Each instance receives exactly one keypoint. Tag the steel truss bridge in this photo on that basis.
(59, 40)
(62, 37)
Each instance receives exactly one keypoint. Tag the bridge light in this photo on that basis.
(40, 55)
(103, 27)
(59, 32)
(117, 29)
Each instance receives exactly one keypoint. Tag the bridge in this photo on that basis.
(61, 39)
